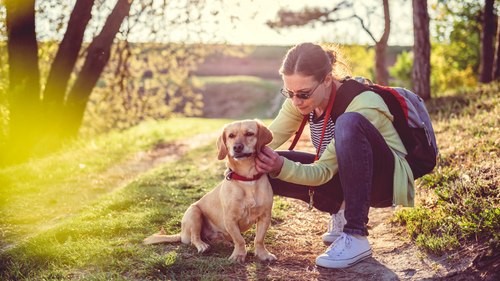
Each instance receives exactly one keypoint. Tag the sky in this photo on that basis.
(244, 22)
(251, 27)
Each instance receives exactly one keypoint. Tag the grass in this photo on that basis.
(45, 191)
(459, 201)
(104, 241)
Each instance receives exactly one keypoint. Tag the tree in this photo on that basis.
(64, 62)
(24, 87)
(310, 16)
(76, 67)
(98, 54)
(489, 24)
(421, 72)
(496, 61)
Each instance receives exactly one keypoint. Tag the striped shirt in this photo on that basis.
(316, 127)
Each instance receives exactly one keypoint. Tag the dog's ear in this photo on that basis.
(221, 146)
(265, 135)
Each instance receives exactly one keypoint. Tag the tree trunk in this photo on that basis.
(421, 73)
(64, 63)
(487, 34)
(381, 73)
(97, 57)
(496, 60)
(24, 77)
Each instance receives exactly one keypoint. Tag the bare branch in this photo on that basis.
(308, 15)
(365, 28)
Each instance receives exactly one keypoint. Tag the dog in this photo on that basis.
(242, 199)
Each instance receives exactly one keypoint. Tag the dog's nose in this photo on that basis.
(238, 147)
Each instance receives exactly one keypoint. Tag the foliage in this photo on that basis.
(457, 24)
(402, 69)
(460, 201)
(154, 85)
(456, 44)
(456, 49)
(361, 60)
(104, 241)
(446, 73)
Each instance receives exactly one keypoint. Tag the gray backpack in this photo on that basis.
(412, 122)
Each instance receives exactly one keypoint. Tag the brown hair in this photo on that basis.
(315, 60)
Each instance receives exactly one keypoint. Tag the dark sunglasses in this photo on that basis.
(300, 95)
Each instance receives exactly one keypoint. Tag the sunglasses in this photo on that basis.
(300, 95)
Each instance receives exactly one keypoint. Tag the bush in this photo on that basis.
(402, 69)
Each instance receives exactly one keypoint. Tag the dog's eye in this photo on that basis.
(231, 136)
(249, 134)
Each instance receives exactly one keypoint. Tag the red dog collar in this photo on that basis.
(234, 176)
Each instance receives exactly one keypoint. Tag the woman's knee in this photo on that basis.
(349, 126)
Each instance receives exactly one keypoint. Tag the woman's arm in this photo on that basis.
(369, 105)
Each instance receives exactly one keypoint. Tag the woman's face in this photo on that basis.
(299, 83)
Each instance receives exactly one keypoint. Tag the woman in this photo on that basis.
(361, 160)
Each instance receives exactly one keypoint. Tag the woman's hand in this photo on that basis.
(268, 160)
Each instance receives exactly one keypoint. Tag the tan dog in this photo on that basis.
(236, 203)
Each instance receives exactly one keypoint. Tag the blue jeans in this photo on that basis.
(365, 177)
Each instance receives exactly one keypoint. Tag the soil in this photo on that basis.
(395, 256)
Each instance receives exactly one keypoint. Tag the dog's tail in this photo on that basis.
(161, 237)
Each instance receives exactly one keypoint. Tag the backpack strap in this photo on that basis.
(345, 94)
(400, 116)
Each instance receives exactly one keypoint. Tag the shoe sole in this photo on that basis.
(327, 243)
(344, 263)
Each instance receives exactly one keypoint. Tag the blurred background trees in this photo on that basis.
(309, 16)
(462, 45)
(73, 68)
(51, 81)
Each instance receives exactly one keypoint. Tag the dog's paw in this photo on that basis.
(266, 256)
(238, 257)
(202, 247)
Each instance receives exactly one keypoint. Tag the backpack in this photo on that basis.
(411, 121)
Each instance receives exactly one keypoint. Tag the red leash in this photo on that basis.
(301, 128)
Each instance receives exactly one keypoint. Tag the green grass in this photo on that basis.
(45, 191)
(459, 203)
(104, 240)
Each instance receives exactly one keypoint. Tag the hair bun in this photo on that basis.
(331, 55)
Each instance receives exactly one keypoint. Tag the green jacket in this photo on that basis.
(371, 106)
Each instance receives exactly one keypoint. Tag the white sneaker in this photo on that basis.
(335, 228)
(346, 251)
